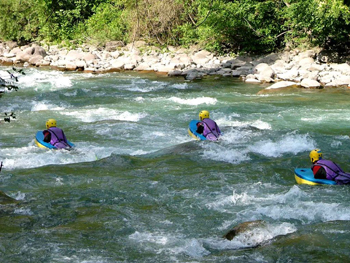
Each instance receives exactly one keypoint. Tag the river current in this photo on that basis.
(138, 188)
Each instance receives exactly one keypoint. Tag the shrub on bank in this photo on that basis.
(217, 25)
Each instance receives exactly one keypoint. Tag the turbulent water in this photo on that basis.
(138, 188)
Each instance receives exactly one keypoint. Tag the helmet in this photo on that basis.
(204, 114)
(315, 155)
(50, 123)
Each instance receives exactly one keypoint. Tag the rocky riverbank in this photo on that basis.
(305, 69)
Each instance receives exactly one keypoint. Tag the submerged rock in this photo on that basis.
(4, 199)
(243, 227)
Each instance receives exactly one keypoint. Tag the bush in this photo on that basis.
(217, 25)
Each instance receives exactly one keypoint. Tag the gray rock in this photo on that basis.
(175, 73)
(201, 57)
(243, 227)
(236, 73)
(310, 83)
(4, 199)
(113, 45)
(28, 53)
(281, 85)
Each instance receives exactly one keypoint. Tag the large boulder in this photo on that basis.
(30, 52)
(265, 72)
(310, 83)
(202, 57)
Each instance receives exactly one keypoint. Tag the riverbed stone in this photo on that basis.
(117, 64)
(194, 63)
(112, 46)
(7, 61)
(244, 227)
(28, 53)
(344, 68)
(279, 66)
(5, 199)
(35, 60)
(282, 84)
(343, 81)
(143, 67)
(236, 73)
(201, 57)
(310, 83)
(238, 63)
(175, 73)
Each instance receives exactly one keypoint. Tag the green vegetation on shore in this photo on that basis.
(217, 25)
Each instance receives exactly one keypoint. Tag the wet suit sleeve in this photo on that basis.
(319, 172)
(200, 128)
(47, 136)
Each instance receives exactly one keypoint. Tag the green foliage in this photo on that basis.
(217, 25)
(109, 22)
(19, 21)
(247, 25)
(64, 17)
(317, 22)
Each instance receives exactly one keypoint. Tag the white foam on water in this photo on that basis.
(244, 195)
(265, 201)
(78, 259)
(149, 238)
(259, 195)
(194, 248)
(141, 85)
(31, 156)
(139, 152)
(261, 125)
(195, 101)
(45, 105)
(93, 115)
(54, 80)
(289, 143)
(336, 144)
(18, 196)
(306, 212)
(180, 86)
(23, 211)
(173, 245)
(223, 154)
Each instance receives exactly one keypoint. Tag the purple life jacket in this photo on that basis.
(211, 130)
(58, 139)
(334, 172)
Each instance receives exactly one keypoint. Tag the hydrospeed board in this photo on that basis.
(39, 141)
(192, 128)
(306, 176)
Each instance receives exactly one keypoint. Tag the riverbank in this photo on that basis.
(306, 69)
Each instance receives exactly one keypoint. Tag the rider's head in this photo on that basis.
(50, 123)
(204, 114)
(315, 155)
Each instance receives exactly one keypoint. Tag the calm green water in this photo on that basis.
(138, 188)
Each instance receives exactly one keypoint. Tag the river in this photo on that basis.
(138, 188)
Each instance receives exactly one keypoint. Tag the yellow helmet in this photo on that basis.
(50, 123)
(315, 155)
(204, 114)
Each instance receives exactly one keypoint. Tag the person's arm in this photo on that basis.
(47, 136)
(200, 128)
(319, 172)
